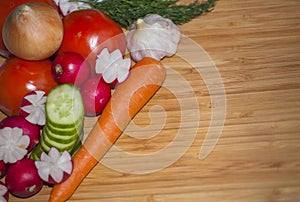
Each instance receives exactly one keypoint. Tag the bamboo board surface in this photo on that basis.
(249, 49)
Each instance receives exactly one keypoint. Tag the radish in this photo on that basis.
(3, 192)
(32, 130)
(70, 67)
(22, 179)
(95, 94)
(13, 144)
(54, 167)
(112, 66)
(33, 107)
(3, 169)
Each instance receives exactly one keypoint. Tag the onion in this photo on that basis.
(33, 31)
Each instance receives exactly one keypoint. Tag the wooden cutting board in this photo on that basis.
(226, 124)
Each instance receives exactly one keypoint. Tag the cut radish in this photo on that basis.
(33, 107)
(13, 144)
(30, 129)
(54, 167)
(112, 66)
(3, 192)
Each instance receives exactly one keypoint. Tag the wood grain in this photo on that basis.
(255, 46)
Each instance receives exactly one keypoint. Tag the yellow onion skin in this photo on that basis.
(33, 31)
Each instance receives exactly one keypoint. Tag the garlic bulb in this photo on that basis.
(153, 36)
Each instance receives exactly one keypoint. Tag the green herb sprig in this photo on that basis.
(126, 12)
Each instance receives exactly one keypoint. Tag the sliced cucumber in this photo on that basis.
(36, 152)
(60, 126)
(64, 107)
(64, 121)
(64, 131)
(61, 146)
(59, 138)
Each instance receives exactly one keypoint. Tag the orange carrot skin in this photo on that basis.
(82, 164)
(127, 100)
(145, 79)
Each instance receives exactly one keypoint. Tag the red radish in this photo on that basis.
(70, 67)
(22, 179)
(32, 130)
(3, 192)
(33, 107)
(95, 94)
(54, 167)
(3, 169)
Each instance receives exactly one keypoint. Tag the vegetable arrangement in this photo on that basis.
(145, 79)
(66, 61)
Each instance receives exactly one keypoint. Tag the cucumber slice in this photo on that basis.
(48, 143)
(64, 106)
(60, 126)
(60, 138)
(36, 152)
(64, 131)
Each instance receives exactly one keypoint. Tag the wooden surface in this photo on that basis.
(255, 46)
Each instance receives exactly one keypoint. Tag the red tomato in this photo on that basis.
(19, 77)
(6, 6)
(88, 31)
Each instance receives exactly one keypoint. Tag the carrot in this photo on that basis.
(144, 80)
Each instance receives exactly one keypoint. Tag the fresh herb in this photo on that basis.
(126, 12)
